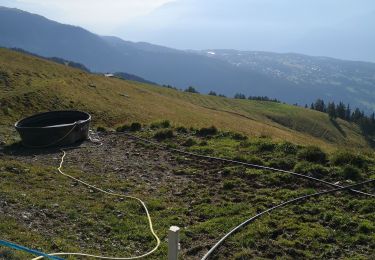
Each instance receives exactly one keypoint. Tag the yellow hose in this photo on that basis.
(112, 194)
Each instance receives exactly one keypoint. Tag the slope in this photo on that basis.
(291, 78)
(29, 84)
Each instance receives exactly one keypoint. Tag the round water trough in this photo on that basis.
(57, 128)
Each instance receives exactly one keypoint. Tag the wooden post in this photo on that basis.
(173, 242)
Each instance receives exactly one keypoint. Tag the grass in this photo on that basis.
(32, 85)
(46, 211)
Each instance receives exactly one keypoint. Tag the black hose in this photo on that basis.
(279, 206)
(244, 163)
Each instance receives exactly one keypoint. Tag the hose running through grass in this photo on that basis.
(111, 194)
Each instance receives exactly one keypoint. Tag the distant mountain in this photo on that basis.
(328, 78)
(291, 78)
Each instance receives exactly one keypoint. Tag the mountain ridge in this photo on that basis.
(167, 66)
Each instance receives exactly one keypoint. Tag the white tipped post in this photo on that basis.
(173, 242)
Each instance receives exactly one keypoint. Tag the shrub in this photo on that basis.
(161, 124)
(249, 159)
(182, 130)
(287, 148)
(133, 127)
(101, 129)
(207, 131)
(163, 134)
(343, 158)
(265, 146)
(123, 128)
(189, 142)
(312, 154)
(283, 164)
(238, 136)
(351, 173)
(315, 170)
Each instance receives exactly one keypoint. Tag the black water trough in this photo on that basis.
(57, 128)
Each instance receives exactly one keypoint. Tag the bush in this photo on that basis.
(239, 137)
(207, 131)
(311, 169)
(351, 173)
(101, 129)
(133, 127)
(249, 159)
(312, 154)
(182, 130)
(265, 146)
(189, 142)
(162, 124)
(163, 134)
(123, 128)
(343, 158)
(283, 164)
(287, 148)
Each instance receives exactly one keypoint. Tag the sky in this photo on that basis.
(336, 28)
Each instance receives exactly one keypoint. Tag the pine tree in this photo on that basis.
(341, 111)
(348, 113)
(320, 106)
(357, 115)
(239, 96)
(191, 89)
(331, 110)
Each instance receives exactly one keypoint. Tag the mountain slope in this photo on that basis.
(29, 84)
(316, 77)
(290, 78)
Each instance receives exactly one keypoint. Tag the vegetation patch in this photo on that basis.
(312, 154)
(207, 131)
(164, 134)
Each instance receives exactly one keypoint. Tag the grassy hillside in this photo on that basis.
(29, 84)
(42, 209)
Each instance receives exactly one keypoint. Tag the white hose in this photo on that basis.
(111, 194)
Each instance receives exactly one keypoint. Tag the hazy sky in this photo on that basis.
(337, 28)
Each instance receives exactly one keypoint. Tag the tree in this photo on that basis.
(331, 110)
(212, 93)
(320, 106)
(357, 115)
(348, 112)
(191, 89)
(239, 96)
(341, 111)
